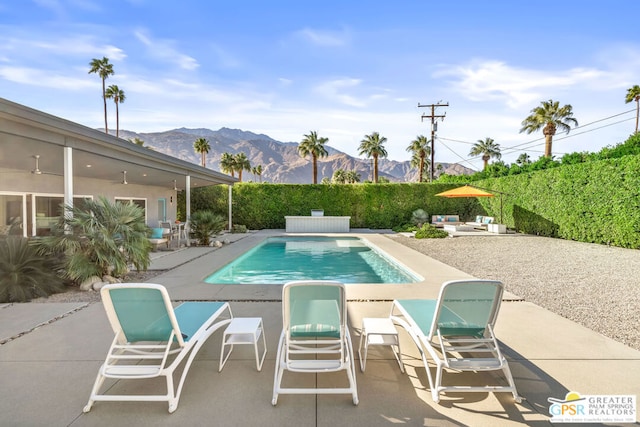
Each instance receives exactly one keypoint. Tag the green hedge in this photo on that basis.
(596, 202)
(376, 206)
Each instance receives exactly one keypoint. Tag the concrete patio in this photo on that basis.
(53, 350)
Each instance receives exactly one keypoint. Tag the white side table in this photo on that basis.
(243, 330)
(379, 331)
(497, 228)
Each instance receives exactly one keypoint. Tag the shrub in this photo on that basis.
(405, 228)
(26, 274)
(428, 231)
(205, 224)
(99, 238)
(419, 217)
(239, 228)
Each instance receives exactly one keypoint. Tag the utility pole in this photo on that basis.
(433, 118)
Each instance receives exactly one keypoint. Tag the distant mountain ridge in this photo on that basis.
(280, 161)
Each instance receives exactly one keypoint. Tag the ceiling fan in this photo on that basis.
(37, 171)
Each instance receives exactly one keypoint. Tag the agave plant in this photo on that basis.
(100, 238)
(419, 217)
(205, 224)
(24, 273)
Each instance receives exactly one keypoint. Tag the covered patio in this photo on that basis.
(46, 161)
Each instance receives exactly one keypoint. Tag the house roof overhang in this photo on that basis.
(25, 133)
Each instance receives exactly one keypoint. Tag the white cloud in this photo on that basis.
(43, 78)
(335, 90)
(350, 92)
(324, 38)
(497, 81)
(30, 47)
(164, 51)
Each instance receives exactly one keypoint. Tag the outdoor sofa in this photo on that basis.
(481, 222)
(442, 220)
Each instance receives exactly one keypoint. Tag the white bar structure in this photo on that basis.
(317, 224)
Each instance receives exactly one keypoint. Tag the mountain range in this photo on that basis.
(281, 162)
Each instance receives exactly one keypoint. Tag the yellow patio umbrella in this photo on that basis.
(470, 191)
(465, 191)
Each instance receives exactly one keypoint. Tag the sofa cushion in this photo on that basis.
(478, 218)
(156, 233)
(452, 219)
(487, 220)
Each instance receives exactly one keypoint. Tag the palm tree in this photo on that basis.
(352, 177)
(202, 146)
(228, 164)
(242, 163)
(549, 117)
(420, 164)
(523, 159)
(313, 145)
(633, 94)
(339, 176)
(486, 148)
(100, 237)
(257, 171)
(104, 70)
(420, 147)
(373, 146)
(117, 94)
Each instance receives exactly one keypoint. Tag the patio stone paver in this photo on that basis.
(47, 374)
(23, 317)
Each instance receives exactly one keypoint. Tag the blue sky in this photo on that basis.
(342, 68)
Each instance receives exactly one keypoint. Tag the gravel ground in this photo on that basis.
(76, 295)
(595, 285)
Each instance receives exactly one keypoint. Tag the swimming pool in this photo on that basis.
(281, 259)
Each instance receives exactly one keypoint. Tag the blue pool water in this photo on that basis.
(281, 259)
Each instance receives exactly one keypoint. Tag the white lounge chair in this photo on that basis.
(315, 337)
(457, 332)
(152, 338)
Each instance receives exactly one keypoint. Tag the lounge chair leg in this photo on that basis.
(277, 377)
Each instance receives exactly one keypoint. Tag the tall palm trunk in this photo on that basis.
(104, 100)
(637, 111)
(421, 166)
(548, 131)
(375, 168)
(117, 121)
(315, 167)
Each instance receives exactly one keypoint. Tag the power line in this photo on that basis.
(521, 146)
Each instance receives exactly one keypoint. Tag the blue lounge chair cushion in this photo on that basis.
(156, 233)
(315, 318)
(192, 315)
(449, 323)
